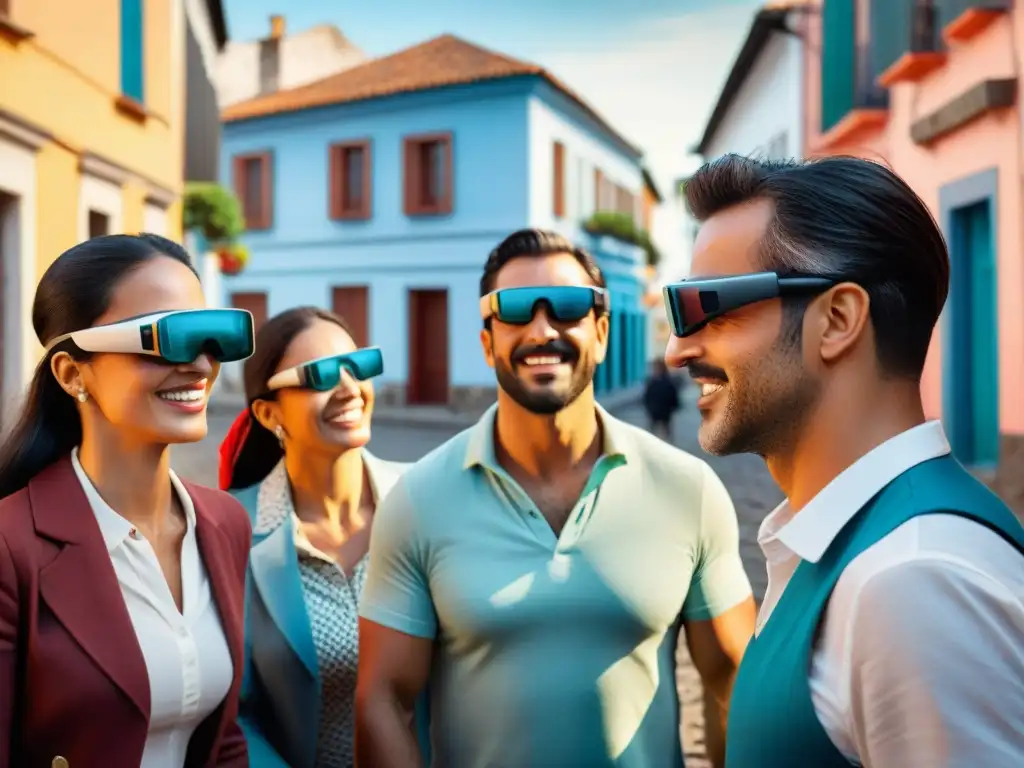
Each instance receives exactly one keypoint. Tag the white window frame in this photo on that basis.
(154, 219)
(103, 196)
(18, 147)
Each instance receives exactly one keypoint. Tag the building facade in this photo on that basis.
(280, 61)
(380, 191)
(933, 90)
(206, 34)
(92, 127)
(759, 110)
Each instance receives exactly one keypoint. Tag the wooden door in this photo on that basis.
(255, 302)
(352, 302)
(428, 347)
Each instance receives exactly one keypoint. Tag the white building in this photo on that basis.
(251, 68)
(760, 108)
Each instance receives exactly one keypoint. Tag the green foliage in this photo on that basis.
(213, 210)
(623, 228)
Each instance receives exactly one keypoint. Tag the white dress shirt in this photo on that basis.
(920, 659)
(186, 653)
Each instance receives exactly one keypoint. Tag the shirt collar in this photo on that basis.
(274, 502)
(480, 448)
(809, 533)
(114, 528)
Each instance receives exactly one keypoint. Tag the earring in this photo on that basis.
(82, 395)
(279, 434)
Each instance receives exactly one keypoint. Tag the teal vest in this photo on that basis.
(772, 722)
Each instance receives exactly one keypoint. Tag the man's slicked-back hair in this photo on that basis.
(535, 243)
(851, 220)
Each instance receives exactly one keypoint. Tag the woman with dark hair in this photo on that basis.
(121, 586)
(296, 459)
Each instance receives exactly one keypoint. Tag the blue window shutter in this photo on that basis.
(837, 61)
(133, 60)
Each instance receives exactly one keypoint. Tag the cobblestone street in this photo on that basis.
(752, 489)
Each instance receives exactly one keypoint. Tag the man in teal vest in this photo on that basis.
(892, 632)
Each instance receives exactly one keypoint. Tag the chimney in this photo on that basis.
(276, 27)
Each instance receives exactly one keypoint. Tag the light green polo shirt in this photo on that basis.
(554, 651)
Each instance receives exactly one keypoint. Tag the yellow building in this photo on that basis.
(92, 120)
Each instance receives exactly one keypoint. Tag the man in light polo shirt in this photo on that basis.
(535, 570)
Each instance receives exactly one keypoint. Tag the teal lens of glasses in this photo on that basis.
(566, 303)
(224, 334)
(362, 364)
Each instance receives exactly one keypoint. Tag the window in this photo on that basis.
(558, 178)
(428, 175)
(99, 224)
(581, 199)
(599, 197)
(255, 303)
(624, 201)
(133, 70)
(254, 189)
(349, 179)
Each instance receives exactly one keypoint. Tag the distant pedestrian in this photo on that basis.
(661, 399)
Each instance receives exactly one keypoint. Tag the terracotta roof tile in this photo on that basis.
(443, 61)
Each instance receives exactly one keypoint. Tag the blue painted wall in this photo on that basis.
(305, 254)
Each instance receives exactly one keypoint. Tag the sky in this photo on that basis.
(653, 68)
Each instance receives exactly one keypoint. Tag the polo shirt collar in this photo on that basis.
(809, 533)
(480, 448)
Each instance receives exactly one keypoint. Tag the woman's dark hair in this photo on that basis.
(73, 293)
(260, 450)
(851, 220)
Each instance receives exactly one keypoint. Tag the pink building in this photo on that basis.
(932, 89)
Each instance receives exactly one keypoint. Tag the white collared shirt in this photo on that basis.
(186, 654)
(920, 659)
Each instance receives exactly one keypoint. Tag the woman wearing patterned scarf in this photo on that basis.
(296, 460)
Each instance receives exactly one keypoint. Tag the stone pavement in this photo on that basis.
(752, 489)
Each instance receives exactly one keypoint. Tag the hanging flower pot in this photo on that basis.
(233, 258)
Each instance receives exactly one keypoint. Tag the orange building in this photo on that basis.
(92, 124)
(933, 90)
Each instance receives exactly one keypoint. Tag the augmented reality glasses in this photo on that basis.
(566, 303)
(174, 337)
(324, 374)
(692, 304)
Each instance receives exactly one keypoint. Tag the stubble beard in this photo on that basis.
(768, 413)
(545, 402)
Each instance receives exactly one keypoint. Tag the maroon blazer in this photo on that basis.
(73, 681)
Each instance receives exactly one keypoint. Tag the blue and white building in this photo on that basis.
(380, 190)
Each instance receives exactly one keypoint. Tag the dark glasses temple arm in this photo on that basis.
(791, 285)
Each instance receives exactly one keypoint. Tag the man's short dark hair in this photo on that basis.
(535, 243)
(848, 219)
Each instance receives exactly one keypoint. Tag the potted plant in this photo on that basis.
(213, 211)
(233, 257)
(621, 227)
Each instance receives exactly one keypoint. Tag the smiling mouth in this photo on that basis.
(350, 416)
(707, 388)
(537, 360)
(190, 393)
